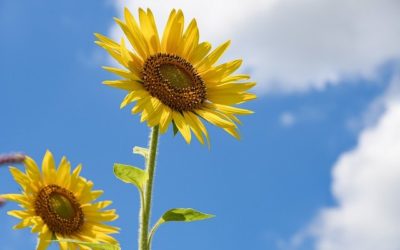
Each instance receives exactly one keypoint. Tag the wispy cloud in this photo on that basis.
(287, 119)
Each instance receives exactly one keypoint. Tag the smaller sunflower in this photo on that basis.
(58, 205)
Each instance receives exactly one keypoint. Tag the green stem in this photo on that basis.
(145, 210)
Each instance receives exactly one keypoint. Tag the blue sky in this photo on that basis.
(269, 189)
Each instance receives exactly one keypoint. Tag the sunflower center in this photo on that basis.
(176, 76)
(59, 209)
(62, 206)
(174, 81)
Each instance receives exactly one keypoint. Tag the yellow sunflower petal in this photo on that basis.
(150, 108)
(108, 215)
(19, 214)
(133, 39)
(134, 34)
(174, 39)
(229, 109)
(220, 114)
(49, 168)
(235, 78)
(83, 192)
(20, 177)
(190, 40)
(63, 172)
(182, 126)
(96, 194)
(165, 119)
(233, 132)
(104, 228)
(233, 118)
(114, 52)
(63, 244)
(229, 87)
(20, 198)
(32, 169)
(107, 41)
(106, 238)
(230, 98)
(194, 127)
(130, 60)
(82, 239)
(141, 104)
(129, 85)
(75, 178)
(128, 74)
(139, 42)
(37, 224)
(201, 126)
(149, 30)
(155, 117)
(213, 57)
(199, 52)
(86, 238)
(44, 238)
(215, 119)
(23, 223)
(222, 117)
(134, 96)
(221, 71)
(97, 206)
(88, 196)
(167, 31)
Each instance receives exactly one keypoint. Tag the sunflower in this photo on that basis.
(59, 205)
(174, 79)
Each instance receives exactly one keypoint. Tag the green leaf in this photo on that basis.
(130, 174)
(175, 128)
(181, 215)
(93, 246)
(184, 215)
(141, 151)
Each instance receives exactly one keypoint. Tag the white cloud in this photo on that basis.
(287, 119)
(215, 17)
(295, 45)
(375, 109)
(366, 186)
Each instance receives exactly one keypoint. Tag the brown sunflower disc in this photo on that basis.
(59, 209)
(174, 81)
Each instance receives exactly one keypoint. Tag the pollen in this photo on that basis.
(59, 209)
(174, 81)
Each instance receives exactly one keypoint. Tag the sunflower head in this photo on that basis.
(175, 78)
(60, 205)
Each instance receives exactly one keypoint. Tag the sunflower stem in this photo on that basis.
(145, 210)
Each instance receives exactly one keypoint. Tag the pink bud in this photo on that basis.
(11, 158)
